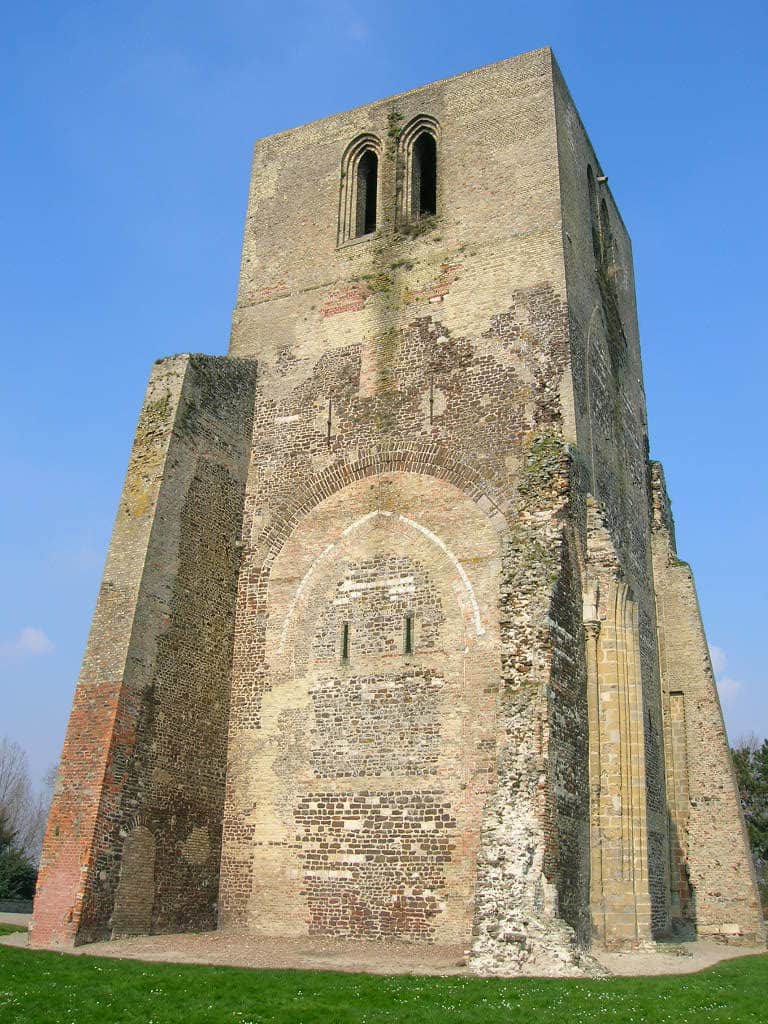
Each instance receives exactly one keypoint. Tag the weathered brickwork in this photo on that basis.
(713, 883)
(377, 725)
(375, 863)
(138, 799)
(385, 664)
(611, 431)
(376, 720)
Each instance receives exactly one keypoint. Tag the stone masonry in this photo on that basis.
(393, 641)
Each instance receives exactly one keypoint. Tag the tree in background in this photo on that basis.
(750, 758)
(17, 872)
(23, 813)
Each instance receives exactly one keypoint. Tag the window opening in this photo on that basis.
(424, 176)
(367, 186)
(345, 642)
(606, 237)
(408, 635)
(594, 214)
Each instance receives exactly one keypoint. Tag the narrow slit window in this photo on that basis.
(367, 187)
(424, 176)
(408, 635)
(345, 642)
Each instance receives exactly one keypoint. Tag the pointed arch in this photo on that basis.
(359, 188)
(465, 592)
(319, 732)
(430, 460)
(419, 153)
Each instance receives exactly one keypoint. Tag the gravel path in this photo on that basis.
(20, 919)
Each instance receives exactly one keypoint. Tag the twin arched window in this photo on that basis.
(359, 205)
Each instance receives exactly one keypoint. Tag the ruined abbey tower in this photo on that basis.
(393, 641)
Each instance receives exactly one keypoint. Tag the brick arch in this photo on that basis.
(426, 460)
(377, 516)
(457, 595)
(287, 529)
(139, 820)
(304, 730)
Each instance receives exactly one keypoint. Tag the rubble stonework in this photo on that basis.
(393, 642)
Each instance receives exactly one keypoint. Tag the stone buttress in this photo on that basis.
(134, 833)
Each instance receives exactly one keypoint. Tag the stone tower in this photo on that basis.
(393, 640)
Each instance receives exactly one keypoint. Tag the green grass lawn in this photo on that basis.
(9, 929)
(53, 988)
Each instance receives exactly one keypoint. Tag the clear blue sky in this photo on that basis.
(128, 131)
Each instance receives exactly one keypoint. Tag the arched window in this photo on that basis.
(367, 188)
(594, 214)
(359, 190)
(417, 169)
(424, 176)
(606, 237)
(605, 269)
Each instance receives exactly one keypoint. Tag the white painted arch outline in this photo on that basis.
(356, 525)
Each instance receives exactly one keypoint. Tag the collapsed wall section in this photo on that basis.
(133, 837)
(531, 912)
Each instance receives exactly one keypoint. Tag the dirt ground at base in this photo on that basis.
(671, 958)
(234, 949)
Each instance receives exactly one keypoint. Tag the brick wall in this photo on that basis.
(712, 870)
(144, 757)
(356, 785)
